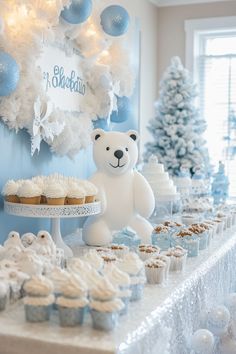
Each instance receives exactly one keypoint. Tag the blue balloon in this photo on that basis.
(123, 110)
(101, 123)
(9, 74)
(77, 12)
(115, 20)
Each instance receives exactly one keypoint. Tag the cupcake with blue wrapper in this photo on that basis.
(73, 302)
(105, 305)
(203, 235)
(188, 240)
(133, 265)
(120, 280)
(39, 299)
(161, 237)
(127, 237)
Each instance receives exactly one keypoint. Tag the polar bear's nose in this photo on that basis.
(118, 154)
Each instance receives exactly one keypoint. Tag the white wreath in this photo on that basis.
(107, 70)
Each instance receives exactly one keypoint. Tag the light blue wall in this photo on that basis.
(16, 163)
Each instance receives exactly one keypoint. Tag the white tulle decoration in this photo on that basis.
(203, 342)
(39, 22)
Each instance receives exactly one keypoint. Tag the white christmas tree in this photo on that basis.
(177, 128)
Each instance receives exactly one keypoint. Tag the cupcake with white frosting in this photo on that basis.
(75, 194)
(91, 191)
(105, 305)
(55, 193)
(29, 193)
(39, 299)
(73, 302)
(94, 259)
(133, 265)
(10, 191)
(58, 277)
(120, 280)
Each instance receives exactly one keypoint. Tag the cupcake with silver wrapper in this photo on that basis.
(73, 302)
(39, 299)
(178, 257)
(105, 305)
(127, 237)
(120, 280)
(161, 237)
(188, 240)
(133, 265)
(147, 251)
(155, 271)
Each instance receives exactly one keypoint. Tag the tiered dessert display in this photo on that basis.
(53, 197)
(163, 187)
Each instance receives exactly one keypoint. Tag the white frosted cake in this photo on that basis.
(162, 185)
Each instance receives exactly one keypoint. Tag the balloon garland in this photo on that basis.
(101, 36)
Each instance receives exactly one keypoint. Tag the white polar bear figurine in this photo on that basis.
(125, 195)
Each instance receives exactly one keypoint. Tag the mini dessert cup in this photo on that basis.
(155, 271)
(161, 239)
(119, 250)
(104, 321)
(147, 251)
(162, 257)
(178, 257)
(189, 241)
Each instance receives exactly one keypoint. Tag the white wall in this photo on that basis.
(171, 35)
(147, 14)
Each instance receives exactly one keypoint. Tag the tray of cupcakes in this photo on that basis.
(51, 196)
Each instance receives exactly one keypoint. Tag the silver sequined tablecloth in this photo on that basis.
(161, 323)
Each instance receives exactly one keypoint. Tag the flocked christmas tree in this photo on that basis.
(177, 128)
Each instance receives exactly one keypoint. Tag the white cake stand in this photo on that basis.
(55, 213)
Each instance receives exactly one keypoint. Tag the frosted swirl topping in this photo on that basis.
(58, 276)
(54, 190)
(29, 189)
(10, 188)
(75, 191)
(74, 287)
(93, 258)
(71, 303)
(38, 286)
(104, 290)
(116, 276)
(131, 264)
(89, 187)
(107, 306)
(39, 180)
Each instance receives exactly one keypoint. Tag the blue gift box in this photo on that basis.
(190, 243)
(127, 237)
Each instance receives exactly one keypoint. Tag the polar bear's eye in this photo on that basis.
(108, 148)
(126, 149)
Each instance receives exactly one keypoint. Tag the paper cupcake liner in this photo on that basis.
(12, 199)
(56, 201)
(89, 199)
(178, 264)
(30, 200)
(75, 201)
(144, 255)
(104, 321)
(70, 317)
(37, 313)
(155, 275)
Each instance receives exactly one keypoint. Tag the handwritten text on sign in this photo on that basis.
(63, 78)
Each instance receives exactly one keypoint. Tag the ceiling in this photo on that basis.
(163, 3)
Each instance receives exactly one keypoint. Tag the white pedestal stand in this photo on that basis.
(55, 213)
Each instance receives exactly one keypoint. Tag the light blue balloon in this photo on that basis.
(78, 11)
(115, 20)
(123, 110)
(9, 74)
(101, 123)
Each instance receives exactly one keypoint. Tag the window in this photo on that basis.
(211, 55)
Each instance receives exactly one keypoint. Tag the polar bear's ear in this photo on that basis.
(133, 135)
(96, 134)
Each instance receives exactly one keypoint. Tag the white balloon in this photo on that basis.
(203, 341)
(217, 320)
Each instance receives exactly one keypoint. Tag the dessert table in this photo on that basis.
(162, 322)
